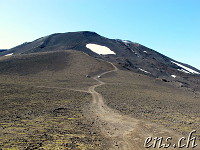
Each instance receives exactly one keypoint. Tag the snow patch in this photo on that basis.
(145, 51)
(143, 70)
(186, 68)
(183, 71)
(125, 41)
(9, 54)
(133, 51)
(100, 49)
(174, 76)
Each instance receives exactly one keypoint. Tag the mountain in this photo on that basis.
(2, 50)
(126, 54)
(80, 90)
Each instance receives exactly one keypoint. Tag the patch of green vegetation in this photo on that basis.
(10, 149)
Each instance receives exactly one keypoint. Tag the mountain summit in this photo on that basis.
(80, 90)
(126, 54)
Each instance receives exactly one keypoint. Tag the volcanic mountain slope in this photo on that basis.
(126, 55)
(52, 66)
(54, 100)
(42, 100)
(2, 50)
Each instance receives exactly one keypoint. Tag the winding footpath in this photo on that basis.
(125, 132)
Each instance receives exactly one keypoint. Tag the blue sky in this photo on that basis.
(171, 27)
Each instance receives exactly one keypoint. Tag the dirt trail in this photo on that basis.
(124, 132)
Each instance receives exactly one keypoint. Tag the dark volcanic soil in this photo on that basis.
(61, 108)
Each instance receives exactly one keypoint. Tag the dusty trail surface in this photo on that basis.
(121, 131)
(124, 132)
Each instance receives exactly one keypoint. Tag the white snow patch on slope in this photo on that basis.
(186, 68)
(9, 54)
(143, 70)
(100, 49)
(133, 51)
(183, 71)
(125, 41)
(145, 51)
(174, 76)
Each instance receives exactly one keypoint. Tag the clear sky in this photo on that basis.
(171, 27)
